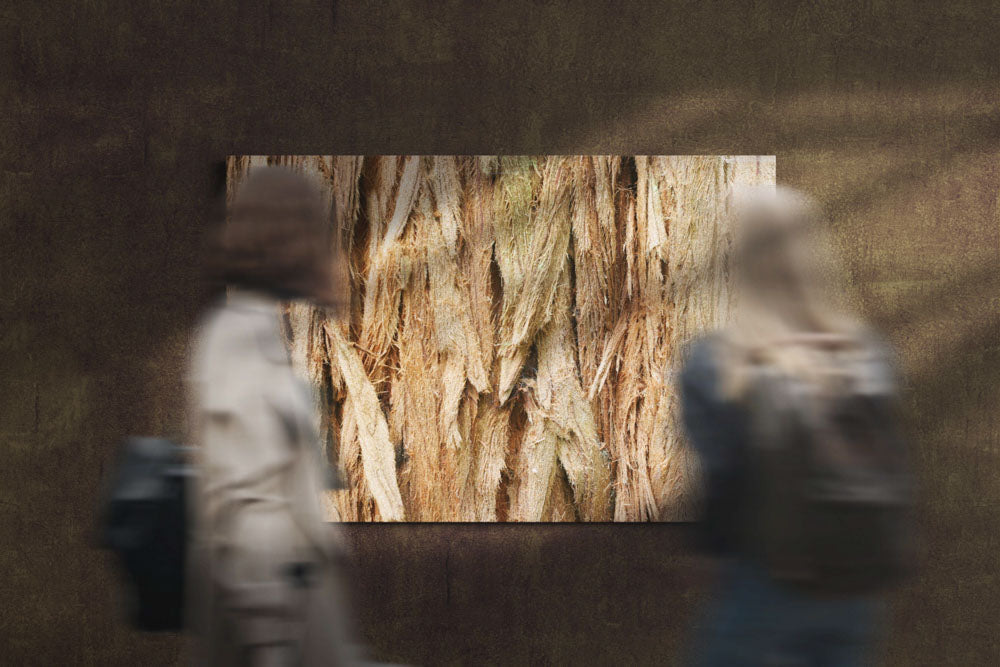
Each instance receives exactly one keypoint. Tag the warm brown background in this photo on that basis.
(116, 118)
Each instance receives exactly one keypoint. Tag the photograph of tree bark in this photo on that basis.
(512, 324)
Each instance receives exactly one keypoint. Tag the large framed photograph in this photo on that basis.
(510, 328)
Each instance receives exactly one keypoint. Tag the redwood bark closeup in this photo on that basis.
(513, 328)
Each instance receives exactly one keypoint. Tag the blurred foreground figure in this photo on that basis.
(264, 582)
(792, 410)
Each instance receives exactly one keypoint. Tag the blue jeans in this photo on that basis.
(753, 621)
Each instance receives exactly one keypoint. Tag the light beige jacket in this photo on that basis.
(264, 586)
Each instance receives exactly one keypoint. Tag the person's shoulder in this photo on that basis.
(229, 338)
(882, 360)
(704, 348)
(701, 357)
(223, 327)
(226, 366)
(881, 346)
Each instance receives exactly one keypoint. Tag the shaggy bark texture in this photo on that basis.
(511, 330)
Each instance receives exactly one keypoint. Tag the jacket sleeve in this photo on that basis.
(714, 429)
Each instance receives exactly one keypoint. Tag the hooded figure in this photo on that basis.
(264, 584)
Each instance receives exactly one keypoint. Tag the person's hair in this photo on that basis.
(277, 238)
(791, 307)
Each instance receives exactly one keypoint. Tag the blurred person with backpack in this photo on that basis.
(265, 568)
(793, 412)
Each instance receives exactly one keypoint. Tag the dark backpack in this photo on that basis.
(144, 522)
(830, 491)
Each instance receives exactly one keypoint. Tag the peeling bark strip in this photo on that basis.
(377, 456)
(512, 329)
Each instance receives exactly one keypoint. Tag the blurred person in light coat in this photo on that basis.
(265, 583)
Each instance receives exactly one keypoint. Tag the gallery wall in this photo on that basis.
(117, 123)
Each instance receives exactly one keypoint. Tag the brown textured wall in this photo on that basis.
(116, 117)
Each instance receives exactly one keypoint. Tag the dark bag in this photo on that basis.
(144, 522)
(830, 493)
